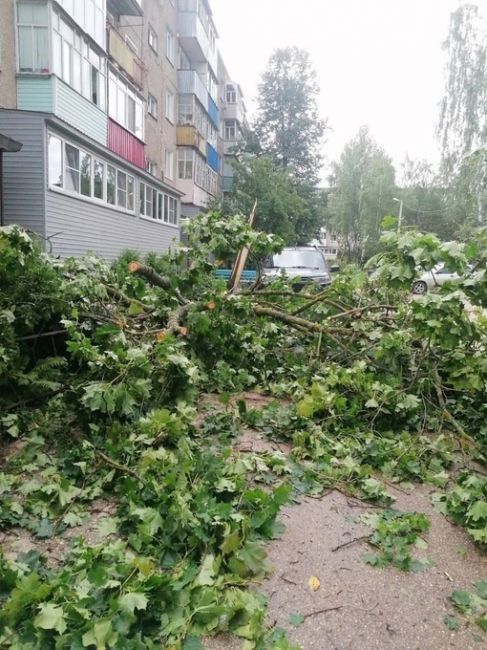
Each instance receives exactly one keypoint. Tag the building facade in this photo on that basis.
(233, 124)
(116, 104)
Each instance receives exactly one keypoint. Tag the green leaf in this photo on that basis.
(192, 643)
(44, 529)
(477, 511)
(206, 575)
(133, 600)
(99, 635)
(296, 619)
(462, 600)
(482, 622)
(450, 622)
(50, 617)
(481, 589)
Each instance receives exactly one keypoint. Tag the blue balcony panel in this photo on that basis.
(212, 157)
(213, 112)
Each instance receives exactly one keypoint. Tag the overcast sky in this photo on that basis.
(379, 62)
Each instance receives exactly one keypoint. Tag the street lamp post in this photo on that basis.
(399, 219)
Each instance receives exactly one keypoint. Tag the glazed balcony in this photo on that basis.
(125, 7)
(124, 56)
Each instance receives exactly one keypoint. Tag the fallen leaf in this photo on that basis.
(314, 583)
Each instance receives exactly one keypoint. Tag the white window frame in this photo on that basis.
(169, 164)
(170, 46)
(170, 106)
(152, 106)
(106, 166)
(120, 94)
(157, 206)
(33, 28)
(153, 39)
(185, 163)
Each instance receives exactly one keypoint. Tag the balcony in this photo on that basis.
(124, 56)
(213, 112)
(125, 7)
(126, 145)
(190, 83)
(188, 136)
(234, 112)
(193, 37)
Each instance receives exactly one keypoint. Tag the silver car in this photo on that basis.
(300, 264)
(434, 278)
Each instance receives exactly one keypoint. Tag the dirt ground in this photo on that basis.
(359, 607)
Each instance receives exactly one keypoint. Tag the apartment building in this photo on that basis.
(116, 103)
(232, 125)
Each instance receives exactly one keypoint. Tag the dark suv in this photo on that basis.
(300, 264)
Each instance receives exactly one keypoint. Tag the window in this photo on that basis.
(157, 205)
(78, 171)
(72, 168)
(170, 100)
(55, 154)
(85, 172)
(231, 95)
(151, 167)
(125, 106)
(185, 109)
(121, 189)
(90, 16)
(185, 164)
(153, 40)
(230, 130)
(111, 176)
(152, 105)
(172, 216)
(32, 21)
(77, 63)
(170, 46)
(98, 179)
(169, 166)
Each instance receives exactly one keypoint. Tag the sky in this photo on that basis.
(379, 63)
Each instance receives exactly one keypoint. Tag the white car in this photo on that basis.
(434, 278)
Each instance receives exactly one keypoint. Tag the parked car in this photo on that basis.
(434, 278)
(300, 264)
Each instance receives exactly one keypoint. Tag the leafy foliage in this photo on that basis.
(377, 388)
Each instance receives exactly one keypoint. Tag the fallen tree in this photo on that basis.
(100, 371)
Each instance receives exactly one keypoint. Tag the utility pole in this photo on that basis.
(399, 219)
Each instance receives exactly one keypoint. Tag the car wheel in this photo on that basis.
(420, 287)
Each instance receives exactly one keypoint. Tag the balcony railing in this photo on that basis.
(125, 7)
(192, 34)
(124, 56)
(188, 136)
(190, 83)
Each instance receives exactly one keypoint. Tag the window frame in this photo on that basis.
(106, 168)
(152, 106)
(32, 28)
(153, 39)
(170, 46)
(164, 208)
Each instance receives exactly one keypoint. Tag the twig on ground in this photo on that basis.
(352, 541)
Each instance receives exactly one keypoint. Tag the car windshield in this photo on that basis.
(298, 259)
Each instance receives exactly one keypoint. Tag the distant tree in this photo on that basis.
(361, 193)
(283, 207)
(463, 119)
(288, 126)
(424, 197)
(463, 115)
